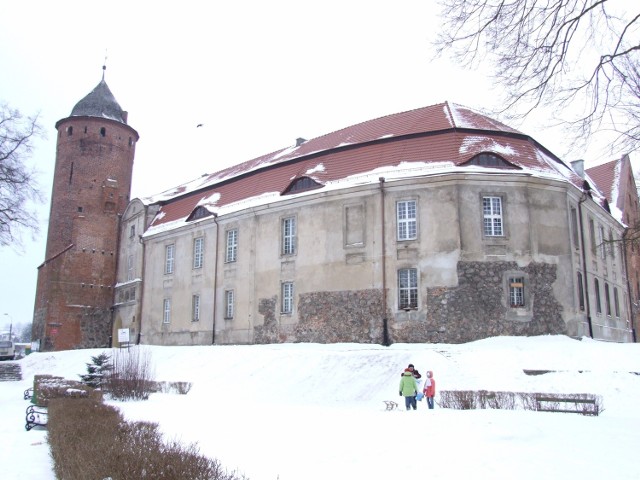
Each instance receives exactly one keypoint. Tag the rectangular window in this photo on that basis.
(592, 236)
(616, 302)
(596, 286)
(132, 231)
(492, 215)
(580, 292)
(287, 298)
(229, 304)
(166, 310)
(232, 246)
(612, 248)
(607, 299)
(516, 292)
(603, 245)
(195, 308)
(407, 288)
(406, 215)
(169, 258)
(130, 268)
(198, 252)
(574, 228)
(288, 236)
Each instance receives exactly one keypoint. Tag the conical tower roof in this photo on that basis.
(99, 103)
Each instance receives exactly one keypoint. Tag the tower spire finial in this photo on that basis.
(104, 65)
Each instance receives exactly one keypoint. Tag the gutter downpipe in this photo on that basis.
(629, 292)
(584, 263)
(144, 266)
(385, 321)
(112, 309)
(215, 280)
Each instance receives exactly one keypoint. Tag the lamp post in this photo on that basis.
(10, 326)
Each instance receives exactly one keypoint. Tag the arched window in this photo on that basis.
(199, 212)
(302, 184)
(69, 131)
(103, 132)
(487, 159)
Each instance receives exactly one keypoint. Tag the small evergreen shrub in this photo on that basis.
(97, 371)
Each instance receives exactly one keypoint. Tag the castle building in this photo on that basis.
(434, 225)
(91, 189)
(439, 224)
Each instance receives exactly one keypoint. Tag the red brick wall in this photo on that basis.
(91, 188)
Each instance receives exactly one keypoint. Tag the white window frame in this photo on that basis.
(407, 289)
(516, 286)
(229, 304)
(596, 288)
(169, 258)
(287, 298)
(166, 311)
(231, 254)
(407, 220)
(198, 252)
(574, 228)
(289, 236)
(130, 268)
(195, 308)
(492, 216)
(603, 245)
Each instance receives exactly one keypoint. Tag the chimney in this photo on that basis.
(300, 141)
(578, 167)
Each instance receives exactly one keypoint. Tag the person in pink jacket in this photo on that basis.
(429, 389)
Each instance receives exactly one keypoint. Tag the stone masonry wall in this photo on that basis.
(326, 317)
(476, 308)
(473, 310)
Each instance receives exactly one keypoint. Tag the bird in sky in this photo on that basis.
(199, 125)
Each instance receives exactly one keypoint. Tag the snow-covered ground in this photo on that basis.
(311, 412)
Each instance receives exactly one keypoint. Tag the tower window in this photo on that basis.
(69, 131)
(103, 132)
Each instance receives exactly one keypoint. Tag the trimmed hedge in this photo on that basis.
(90, 440)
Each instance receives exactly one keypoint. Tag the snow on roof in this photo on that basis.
(427, 141)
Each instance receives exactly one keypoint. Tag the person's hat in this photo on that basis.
(411, 365)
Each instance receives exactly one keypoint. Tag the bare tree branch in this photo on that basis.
(18, 185)
(579, 57)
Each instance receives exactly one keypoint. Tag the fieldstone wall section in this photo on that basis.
(268, 332)
(477, 309)
(326, 317)
(95, 328)
(334, 317)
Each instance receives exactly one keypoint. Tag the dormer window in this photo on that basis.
(302, 184)
(487, 159)
(198, 213)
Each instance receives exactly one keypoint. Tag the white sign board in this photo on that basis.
(123, 335)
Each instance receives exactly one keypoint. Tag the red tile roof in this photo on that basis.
(444, 134)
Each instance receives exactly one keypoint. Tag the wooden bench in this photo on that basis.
(583, 404)
(36, 416)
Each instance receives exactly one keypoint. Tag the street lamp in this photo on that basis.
(10, 326)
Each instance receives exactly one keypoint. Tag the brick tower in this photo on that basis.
(91, 187)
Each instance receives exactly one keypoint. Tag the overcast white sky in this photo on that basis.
(257, 74)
